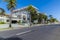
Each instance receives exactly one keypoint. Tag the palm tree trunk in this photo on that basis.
(10, 22)
(30, 20)
(10, 19)
(42, 21)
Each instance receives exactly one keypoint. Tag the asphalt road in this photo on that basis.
(43, 33)
(50, 32)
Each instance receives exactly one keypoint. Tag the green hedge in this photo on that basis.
(2, 22)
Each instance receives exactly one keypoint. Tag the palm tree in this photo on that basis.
(33, 12)
(11, 4)
(2, 12)
(51, 18)
(42, 18)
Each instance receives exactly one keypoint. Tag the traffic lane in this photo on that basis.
(13, 32)
(9, 33)
(44, 33)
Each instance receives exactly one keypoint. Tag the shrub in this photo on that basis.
(2, 22)
(19, 22)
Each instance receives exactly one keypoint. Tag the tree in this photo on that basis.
(52, 19)
(33, 12)
(11, 4)
(50, 16)
(42, 17)
(2, 12)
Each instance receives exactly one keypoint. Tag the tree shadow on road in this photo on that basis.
(1, 38)
(13, 38)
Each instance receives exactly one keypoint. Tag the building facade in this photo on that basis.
(21, 15)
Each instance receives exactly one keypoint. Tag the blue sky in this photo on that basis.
(50, 7)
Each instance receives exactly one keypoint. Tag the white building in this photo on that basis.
(4, 18)
(19, 15)
(22, 15)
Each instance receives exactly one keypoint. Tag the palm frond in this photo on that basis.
(11, 4)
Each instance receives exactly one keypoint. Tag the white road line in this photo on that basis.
(23, 32)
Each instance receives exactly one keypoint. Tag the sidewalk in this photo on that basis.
(5, 29)
(21, 26)
(12, 28)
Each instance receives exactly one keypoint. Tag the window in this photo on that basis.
(24, 17)
(7, 20)
(19, 16)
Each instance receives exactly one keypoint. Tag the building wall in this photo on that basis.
(3, 19)
(17, 15)
(21, 14)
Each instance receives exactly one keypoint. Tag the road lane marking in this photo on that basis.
(23, 32)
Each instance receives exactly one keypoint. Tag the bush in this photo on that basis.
(19, 22)
(2, 22)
